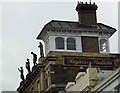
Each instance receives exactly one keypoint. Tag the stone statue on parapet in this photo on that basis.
(41, 49)
(28, 66)
(21, 71)
(34, 58)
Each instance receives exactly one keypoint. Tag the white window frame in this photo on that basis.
(57, 43)
(71, 43)
(103, 45)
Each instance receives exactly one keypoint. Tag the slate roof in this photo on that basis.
(75, 25)
(72, 25)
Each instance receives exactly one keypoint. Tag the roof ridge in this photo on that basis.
(106, 26)
(62, 21)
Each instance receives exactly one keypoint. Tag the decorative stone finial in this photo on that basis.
(90, 1)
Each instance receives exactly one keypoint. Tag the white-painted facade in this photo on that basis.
(83, 81)
(91, 81)
(110, 84)
(49, 40)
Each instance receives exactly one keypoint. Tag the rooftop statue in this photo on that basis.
(34, 58)
(28, 65)
(41, 49)
(21, 71)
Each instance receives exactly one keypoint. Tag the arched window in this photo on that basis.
(71, 44)
(103, 45)
(59, 43)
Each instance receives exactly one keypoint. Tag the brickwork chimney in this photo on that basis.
(87, 13)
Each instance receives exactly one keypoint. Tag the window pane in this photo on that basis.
(71, 44)
(59, 41)
(103, 45)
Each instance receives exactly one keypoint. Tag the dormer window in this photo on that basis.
(59, 43)
(71, 44)
(103, 46)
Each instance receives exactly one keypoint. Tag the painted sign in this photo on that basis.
(85, 61)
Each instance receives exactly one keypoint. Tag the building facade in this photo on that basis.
(70, 48)
(109, 84)
(91, 81)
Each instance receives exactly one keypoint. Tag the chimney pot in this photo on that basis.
(87, 13)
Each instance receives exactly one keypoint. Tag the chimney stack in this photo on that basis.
(87, 13)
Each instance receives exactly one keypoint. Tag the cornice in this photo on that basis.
(29, 78)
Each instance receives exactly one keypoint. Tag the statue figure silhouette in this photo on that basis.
(41, 49)
(21, 71)
(28, 65)
(34, 58)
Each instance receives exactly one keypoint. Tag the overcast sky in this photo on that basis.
(23, 21)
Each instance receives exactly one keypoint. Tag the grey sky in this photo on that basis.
(119, 27)
(22, 22)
